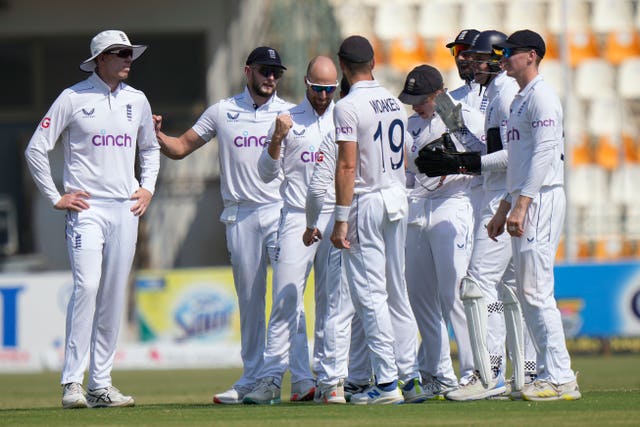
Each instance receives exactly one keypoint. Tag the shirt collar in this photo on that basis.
(306, 104)
(525, 91)
(366, 84)
(100, 84)
(248, 99)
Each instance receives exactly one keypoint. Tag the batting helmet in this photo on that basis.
(483, 43)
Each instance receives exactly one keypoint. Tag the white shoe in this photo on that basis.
(73, 396)
(511, 392)
(265, 393)
(302, 391)
(475, 389)
(376, 396)
(351, 388)
(233, 396)
(333, 393)
(108, 397)
(543, 390)
(413, 392)
(436, 389)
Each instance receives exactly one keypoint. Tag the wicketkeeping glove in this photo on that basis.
(433, 161)
(450, 113)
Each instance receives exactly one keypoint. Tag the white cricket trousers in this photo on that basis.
(375, 270)
(533, 256)
(291, 268)
(491, 262)
(438, 250)
(101, 242)
(251, 241)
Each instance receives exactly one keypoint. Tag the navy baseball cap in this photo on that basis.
(465, 37)
(356, 49)
(265, 55)
(524, 39)
(421, 82)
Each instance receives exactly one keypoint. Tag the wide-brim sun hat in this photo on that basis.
(108, 40)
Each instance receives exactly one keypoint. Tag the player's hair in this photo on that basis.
(358, 67)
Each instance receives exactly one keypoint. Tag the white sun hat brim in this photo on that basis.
(108, 40)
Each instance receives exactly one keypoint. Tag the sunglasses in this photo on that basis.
(508, 52)
(457, 48)
(266, 71)
(320, 88)
(121, 53)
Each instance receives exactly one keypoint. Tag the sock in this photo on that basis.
(388, 386)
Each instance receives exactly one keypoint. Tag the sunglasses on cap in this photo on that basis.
(320, 88)
(121, 53)
(508, 52)
(267, 71)
(457, 48)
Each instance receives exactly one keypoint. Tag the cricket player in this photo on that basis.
(345, 363)
(370, 224)
(251, 206)
(440, 230)
(471, 94)
(293, 150)
(491, 261)
(101, 122)
(534, 211)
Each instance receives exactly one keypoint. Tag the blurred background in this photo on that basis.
(196, 57)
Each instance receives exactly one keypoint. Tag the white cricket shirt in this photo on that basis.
(242, 133)
(472, 95)
(536, 141)
(371, 116)
(299, 152)
(99, 131)
(500, 93)
(321, 195)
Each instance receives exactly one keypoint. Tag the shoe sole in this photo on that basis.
(250, 401)
(127, 404)
(226, 402)
(335, 401)
(566, 396)
(417, 399)
(493, 393)
(381, 401)
(78, 404)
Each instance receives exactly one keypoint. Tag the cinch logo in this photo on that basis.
(513, 135)
(345, 130)
(46, 122)
(312, 156)
(10, 315)
(104, 140)
(246, 140)
(543, 123)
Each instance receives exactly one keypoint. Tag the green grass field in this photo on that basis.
(610, 386)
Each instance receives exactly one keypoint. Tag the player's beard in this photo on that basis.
(264, 92)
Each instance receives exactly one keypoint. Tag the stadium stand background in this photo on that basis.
(593, 61)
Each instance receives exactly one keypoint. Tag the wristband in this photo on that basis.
(341, 213)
